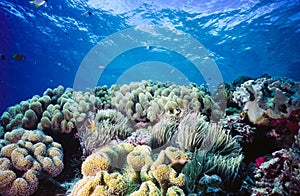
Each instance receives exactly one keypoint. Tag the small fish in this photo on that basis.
(2, 57)
(87, 13)
(92, 126)
(19, 57)
(38, 3)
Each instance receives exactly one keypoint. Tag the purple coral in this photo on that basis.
(280, 175)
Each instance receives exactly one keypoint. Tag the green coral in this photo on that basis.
(195, 133)
(163, 132)
(147, 100)
(228, 168)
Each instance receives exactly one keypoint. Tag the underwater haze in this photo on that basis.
(243, 38)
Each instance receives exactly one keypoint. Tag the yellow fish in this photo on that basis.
(92, 125)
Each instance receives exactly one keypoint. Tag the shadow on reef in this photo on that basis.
(72, 164)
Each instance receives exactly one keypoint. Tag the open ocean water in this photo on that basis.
(82, 44)
(243, 37)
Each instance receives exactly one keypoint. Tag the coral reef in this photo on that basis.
(275, 97)
(163, 132)
(147, 100)
(195, 133)
(162, 171)
(28, 113)
(101, 129)
(147, 188)
(281, 174)
(153, 138)
(159, 176)
(69, 112)
(102, 183)
(204, 163)
(24, 157)
(106, 159)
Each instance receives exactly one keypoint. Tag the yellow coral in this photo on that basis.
(6, 178)
(8, 149)
(166, 175)
(102, 183)
(95, 162)
(53, 166)
(127, 146)
(147, 188)
(175, 191)
(5, 163)
(20, 187)
(53, 151)
(115, 183)
(80, 185)
(33, 136)
(176, 180)
(40, 149)
(23, 186)
(100, 190)
(14, 136)
(175, 154)
(136, 160)
(31, 178)
(21, 159)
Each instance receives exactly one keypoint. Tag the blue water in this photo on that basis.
(242, 37)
